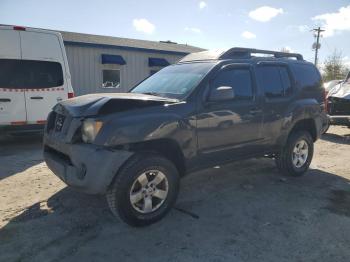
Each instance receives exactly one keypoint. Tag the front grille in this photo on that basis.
(339, 106)
(55, 122)
(50, 124)
(59, 122)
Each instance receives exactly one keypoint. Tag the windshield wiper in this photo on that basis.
(160, 95)
(151, 93)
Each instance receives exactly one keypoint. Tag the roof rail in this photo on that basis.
(240, 52)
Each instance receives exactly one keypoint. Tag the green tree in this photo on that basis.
(334, 67)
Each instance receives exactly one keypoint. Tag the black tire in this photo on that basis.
(284, 160)
(118, 195)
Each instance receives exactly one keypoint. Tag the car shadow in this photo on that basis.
(335, 138)
(18, 153)
(244, 210)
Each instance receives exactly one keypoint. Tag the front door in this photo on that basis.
(230, 128)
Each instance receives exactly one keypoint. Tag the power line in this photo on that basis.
(317, 44)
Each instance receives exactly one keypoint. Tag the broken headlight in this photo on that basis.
(90, 130)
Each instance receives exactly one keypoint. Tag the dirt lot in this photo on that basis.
(240, 212)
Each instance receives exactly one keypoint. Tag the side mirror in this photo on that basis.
(222, 93)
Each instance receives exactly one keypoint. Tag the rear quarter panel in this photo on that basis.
(308, 102)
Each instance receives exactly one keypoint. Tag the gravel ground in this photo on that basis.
(244, 211)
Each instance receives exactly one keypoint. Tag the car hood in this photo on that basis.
(341, 90)
(107, 103)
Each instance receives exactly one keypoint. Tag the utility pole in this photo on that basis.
(317, 45)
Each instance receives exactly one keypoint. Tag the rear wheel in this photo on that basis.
(295, 158)
(144, 191)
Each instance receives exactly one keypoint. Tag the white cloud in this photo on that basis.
(248, 35)
(193, 29)
(335, 22)
(143, 25)
(265, 13)
(202, 5)
(303, 28)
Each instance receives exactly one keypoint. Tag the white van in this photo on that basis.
(34, 76)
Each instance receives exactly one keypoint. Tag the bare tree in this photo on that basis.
(285, 49)
(334, 67)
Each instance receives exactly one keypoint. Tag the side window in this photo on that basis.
(30, 74)
(239, 79)
(274, 80)
(287, 84)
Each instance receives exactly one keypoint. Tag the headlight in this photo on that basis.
(90, 130)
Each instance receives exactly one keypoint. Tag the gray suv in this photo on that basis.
(208, 109)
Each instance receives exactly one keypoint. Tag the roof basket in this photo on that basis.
(239, 52)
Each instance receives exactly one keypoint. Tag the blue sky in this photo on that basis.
(209, 24)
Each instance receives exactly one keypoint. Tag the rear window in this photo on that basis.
(306, 76)
(275, 81)
(30, 74)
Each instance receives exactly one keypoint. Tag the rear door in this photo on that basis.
(43, 64)
(12, 98)
(277, 85)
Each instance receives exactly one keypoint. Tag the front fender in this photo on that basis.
(175, 123)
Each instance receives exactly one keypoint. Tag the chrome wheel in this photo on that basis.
(149, 191)
(300, 153)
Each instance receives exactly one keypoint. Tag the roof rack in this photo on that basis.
(239, 52)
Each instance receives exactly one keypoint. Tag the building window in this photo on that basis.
(110, 78)
(152, 72)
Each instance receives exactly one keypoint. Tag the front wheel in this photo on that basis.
(295, 158)
(144, 190)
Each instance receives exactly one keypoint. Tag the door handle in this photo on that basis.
(5, 100)
(255, 111)
(36, 97)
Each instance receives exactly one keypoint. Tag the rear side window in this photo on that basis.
(30, 74)
(274, 80)
(287, 84)
(239, 79)
(306, 76)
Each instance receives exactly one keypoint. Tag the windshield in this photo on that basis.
(175, 81)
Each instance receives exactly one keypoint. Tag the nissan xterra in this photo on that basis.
(210, 108)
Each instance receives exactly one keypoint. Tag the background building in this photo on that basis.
(111, 64)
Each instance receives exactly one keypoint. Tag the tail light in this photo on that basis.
(19, 28)
(325, 95)
(70, 95)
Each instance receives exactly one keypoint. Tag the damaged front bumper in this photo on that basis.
(86, 167)
(339, 111)
(340, 120)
